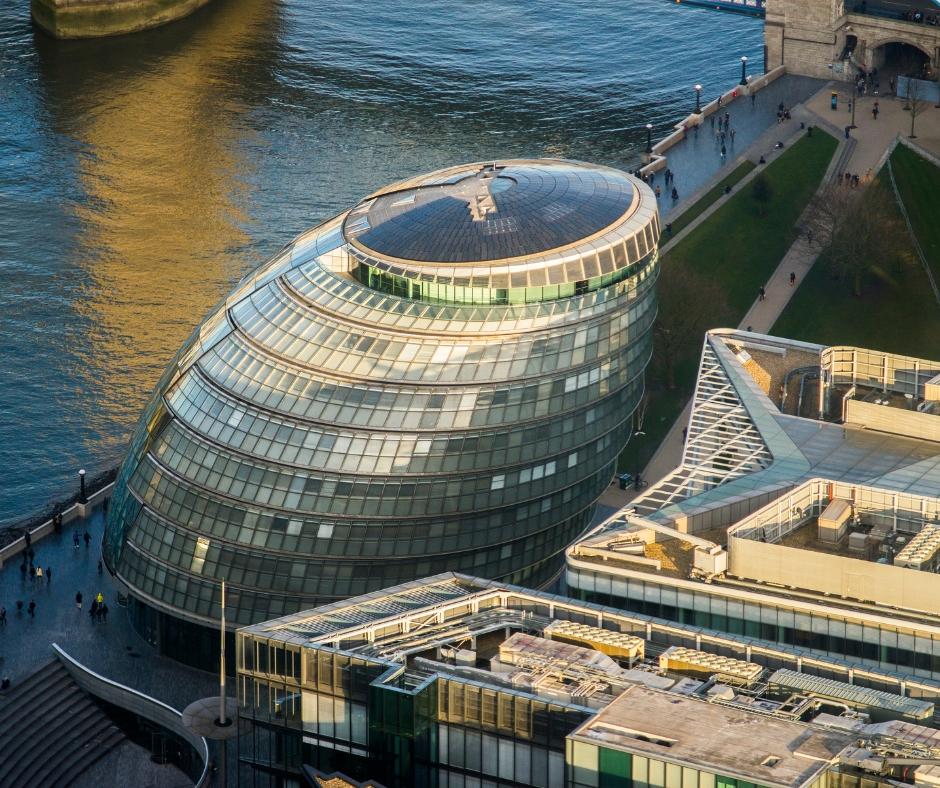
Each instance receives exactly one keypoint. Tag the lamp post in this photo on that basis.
(649, 138)
(744, 69)
(698, 99)
(81, 487)
(854, 102)
(636, 461)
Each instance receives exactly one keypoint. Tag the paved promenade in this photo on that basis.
(113, 649)
(874, 136)
(696, 161)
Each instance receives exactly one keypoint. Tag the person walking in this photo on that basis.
(99, 566)
(23, 569)
(87, 538)
(724, 151)
(792, 278)
(93, 610)
(32, 571)
(75, 540)
(48, 574)
(104, 613)
(78, 600)
(761, 294)
(31, 608)
(39, 573)
(100, 598)
(732, 133)
(875, 111)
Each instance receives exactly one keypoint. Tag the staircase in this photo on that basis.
(51, 731)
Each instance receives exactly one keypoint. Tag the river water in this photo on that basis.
(141, 176)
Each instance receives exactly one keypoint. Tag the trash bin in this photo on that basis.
(625, 480)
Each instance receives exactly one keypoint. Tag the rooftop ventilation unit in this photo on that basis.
(688, 660)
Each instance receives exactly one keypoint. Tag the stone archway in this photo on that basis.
(894, 57)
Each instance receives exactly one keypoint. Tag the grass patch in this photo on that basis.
(896, 311)
(708, 199)
(739, 249)
(918, 182)
(736, 251)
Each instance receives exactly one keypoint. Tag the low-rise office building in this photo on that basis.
(457, 681)
(804, 512)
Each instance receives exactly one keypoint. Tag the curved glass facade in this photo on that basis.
(349, 420)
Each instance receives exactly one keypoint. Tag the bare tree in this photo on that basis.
(855, 230)
(829, 213)
(689, 304)
(915, 104)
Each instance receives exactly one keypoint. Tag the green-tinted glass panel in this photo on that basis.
(615, 768)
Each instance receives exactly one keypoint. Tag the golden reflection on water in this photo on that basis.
(163, 170)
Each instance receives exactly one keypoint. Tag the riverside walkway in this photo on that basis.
(112, 648)
(696, 161)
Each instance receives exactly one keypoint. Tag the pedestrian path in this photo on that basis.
(112, 648)
(874, 136)
(696, 161)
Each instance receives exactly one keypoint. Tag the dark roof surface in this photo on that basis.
(491, 214)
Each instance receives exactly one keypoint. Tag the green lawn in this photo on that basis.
(897, 311)
(735, 250)
(739, 248)
(707, 200)
(919, 183)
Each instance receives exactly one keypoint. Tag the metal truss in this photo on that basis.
(722, 443)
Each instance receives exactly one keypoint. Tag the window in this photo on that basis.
(498, 482)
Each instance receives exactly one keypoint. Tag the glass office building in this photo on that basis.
(441, 378)
(457, 682)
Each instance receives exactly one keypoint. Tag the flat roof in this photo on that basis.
(714, 738)
(741, 445)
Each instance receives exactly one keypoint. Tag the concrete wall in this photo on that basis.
(925, 426)
(95, 18)
(837, 575)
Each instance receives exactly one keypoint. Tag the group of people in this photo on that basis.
(783, 112)
(99, 608)
(668, 177)
(723, 133)
(848, 179)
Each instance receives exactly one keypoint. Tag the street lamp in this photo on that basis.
(744, 69)
(698, 99)
(649, 138)
(636, 460)
(854, 102)
(81, 487)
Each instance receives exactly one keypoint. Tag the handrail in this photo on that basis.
(159, 712)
